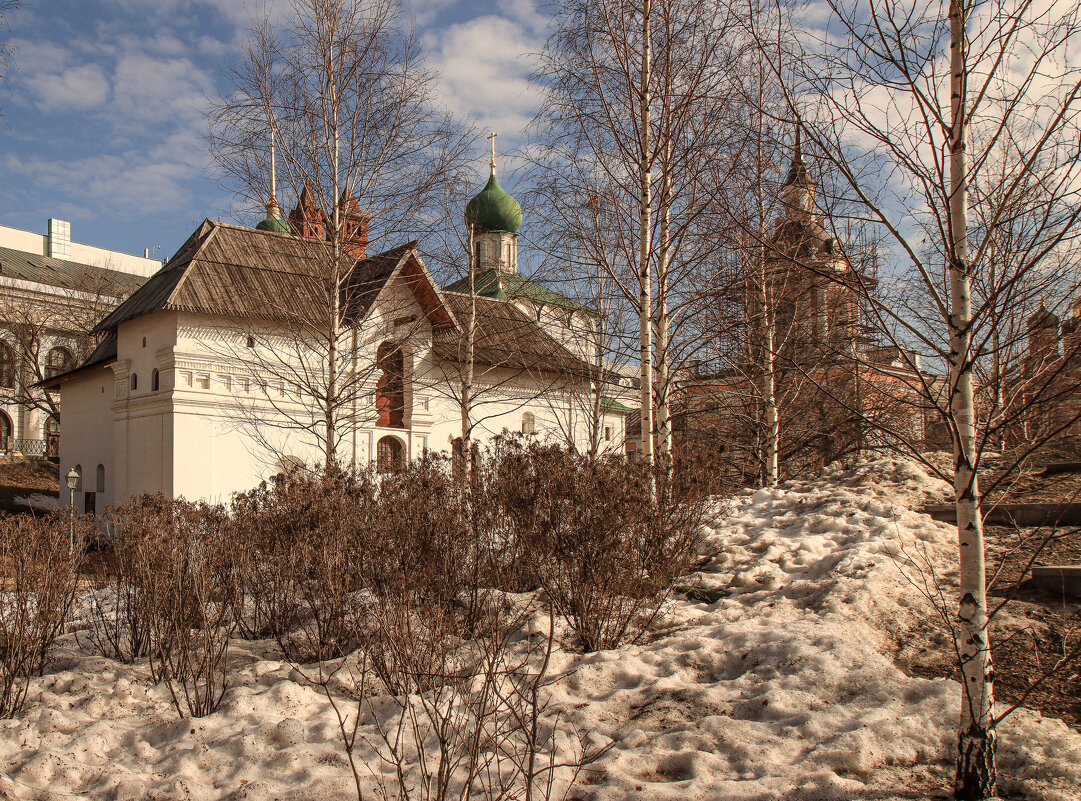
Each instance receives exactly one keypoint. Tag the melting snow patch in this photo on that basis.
(784, 689)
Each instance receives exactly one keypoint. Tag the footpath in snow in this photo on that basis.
(785, 689)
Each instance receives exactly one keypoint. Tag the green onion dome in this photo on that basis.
(493, 209)
(275, 225)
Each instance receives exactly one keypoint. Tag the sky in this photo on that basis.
(103, 107)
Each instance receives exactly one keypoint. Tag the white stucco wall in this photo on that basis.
(217, 422)
(86, 439)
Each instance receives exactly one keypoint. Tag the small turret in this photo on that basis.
(307, 219)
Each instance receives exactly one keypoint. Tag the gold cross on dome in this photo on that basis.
(491, 138)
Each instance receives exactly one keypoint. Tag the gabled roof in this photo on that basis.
(505, 337)
(494, 283)
(245, 273)
(67, 274)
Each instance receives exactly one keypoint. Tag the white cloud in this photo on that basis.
(424, 12)
(485, 66)
(159, 89)
(74, 89)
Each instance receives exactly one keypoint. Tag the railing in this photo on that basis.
(10, 446)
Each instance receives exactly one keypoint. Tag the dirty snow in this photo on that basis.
(38, 502)
(785, 689)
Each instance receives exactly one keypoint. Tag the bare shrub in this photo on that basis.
(466, 717)
(299, 550)
(175, 551)
(587, 532)
(421, 545)
(39, 568)
(119, 616)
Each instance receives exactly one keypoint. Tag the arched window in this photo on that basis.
(7, 366)
(390, 389)
(99, 478)
(155, 380)
(134, 381)
(529, 424)
(389, 455)
(59, 360)
(5, 432)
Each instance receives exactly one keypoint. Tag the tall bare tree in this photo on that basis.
(343, 87)
(909, 128)
(635, 93)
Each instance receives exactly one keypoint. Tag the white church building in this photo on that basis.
(206, 379)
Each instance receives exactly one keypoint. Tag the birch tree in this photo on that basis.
(361, 138)
(635, 90)
(915, 102)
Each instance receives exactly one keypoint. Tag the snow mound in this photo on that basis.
(785, 689)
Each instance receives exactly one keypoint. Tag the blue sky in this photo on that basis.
(104, 105)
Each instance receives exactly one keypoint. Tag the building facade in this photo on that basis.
(52, 292)
(209, 377)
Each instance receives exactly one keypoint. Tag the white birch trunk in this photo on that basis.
(975, 778)
(664, 395)
(335, 284)
(645, 215)
(467, 376)
(768, 389)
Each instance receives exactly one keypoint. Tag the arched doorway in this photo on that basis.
(389, 455)
(390, 389)
(52, 437)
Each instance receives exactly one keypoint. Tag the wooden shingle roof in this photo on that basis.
(505, 337)
(226, 270)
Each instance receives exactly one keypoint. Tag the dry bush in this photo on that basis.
(300, 546)
(174, 557)
(586, 531)
(39, 568)
(465, 718)
(120, 622)
(421, 545)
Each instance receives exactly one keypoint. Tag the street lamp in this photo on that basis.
(73, 482)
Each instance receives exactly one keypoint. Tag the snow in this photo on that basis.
(785, 689)
(38, 502)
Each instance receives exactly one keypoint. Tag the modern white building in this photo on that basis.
(52, 290)
(208, 378)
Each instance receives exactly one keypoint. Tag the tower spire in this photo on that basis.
(273, 211)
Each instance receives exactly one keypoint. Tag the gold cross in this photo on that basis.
(491, 138)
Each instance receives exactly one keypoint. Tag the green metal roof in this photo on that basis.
(493, 209)
(612, 405)
(493, 283)
(67, 274)
(275, 225)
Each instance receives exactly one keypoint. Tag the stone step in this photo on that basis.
(1015, 514)
(1059, 579)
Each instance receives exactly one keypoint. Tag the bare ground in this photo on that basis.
(1036, 635)
(22, 477)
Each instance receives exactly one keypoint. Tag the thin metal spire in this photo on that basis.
(273, 211)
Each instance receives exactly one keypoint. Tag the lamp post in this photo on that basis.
(73, 482)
